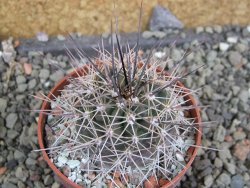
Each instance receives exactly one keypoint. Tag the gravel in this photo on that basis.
(225, 88)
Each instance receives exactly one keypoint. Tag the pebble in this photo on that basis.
(73, 163)
(48, 180)
(147, 34)
(235, 58)
(9, 185)
(223, 179)
(56, 76)
(244, 96)
(11, 120)
(61, 37)
(27, 68)
(12, 134)
(230, 167)
(220, 134)
(237, 181)
(42, 37)
(20, 79)
(242, 149)
(239, 135)
(3, 105)
(218, 162)
(21, 174)
(44, 74)
(22, 87)
(223, 46)
(32, 84)
(232, 39)
(208, 181)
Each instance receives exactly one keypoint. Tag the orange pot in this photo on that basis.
(152, 183)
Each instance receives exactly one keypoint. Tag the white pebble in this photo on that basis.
(62, 160)
(73, 163)
(248, 28)
(160, 54)
(232, 39)
(179, 157)
(41, 36)
(224, 46)
(87, 181)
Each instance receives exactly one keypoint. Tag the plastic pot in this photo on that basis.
(152, 183)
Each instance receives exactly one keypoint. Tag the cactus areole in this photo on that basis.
(125, 120)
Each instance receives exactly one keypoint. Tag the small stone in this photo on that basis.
(56, 76)
(232, 39)
(22, 87)
(209, 30)
(20, 79)
(27, 68)
(237, 181)
(42, 37)
(218, 28)
(208, 180)
(223, 46)
(235, 58)
(211, 56)
(12, 164)
(179, 157)
(66, 170)
(8, 185)
(230, 168)
(11, 120)
(246, 32)
(62, 160)
(48, 180)
(219, 134)
(147, 34)
(159, 34)
(239, 135)
(242, 149)
(61, 37)
(3, 105)
(12, 134)
(162, 19)
(224, 179)
(32, 84)
(218, 162)
(159, 54)
(55, 185)
(199, 30)
(236, 90)
(243, 95)
(44, 74)
(18, 155)
(225, 154)
(73, 163)
(30, 162)
(3, 128)
(2, 170)
(20, 184)
(21, 174)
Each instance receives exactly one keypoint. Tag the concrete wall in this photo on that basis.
(24, 18)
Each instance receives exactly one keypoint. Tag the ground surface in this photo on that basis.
(225, 86)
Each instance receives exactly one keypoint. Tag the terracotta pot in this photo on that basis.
(195, 113)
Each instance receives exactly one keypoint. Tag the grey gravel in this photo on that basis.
(237, 181)
(11, 119)
(20, 79)
(8, 185)
(3, 105)
(235, 58)
(32, 84)
(44, 74)
(223, 179)
(219, 133)
(208, 180)
(22, 87)
(230, 167)
(56, 76)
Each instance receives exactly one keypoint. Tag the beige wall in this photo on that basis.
(24, 18)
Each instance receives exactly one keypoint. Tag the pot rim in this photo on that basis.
(81, 72)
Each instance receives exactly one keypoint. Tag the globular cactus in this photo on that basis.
(125, 115)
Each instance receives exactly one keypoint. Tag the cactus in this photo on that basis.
(123, 114)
